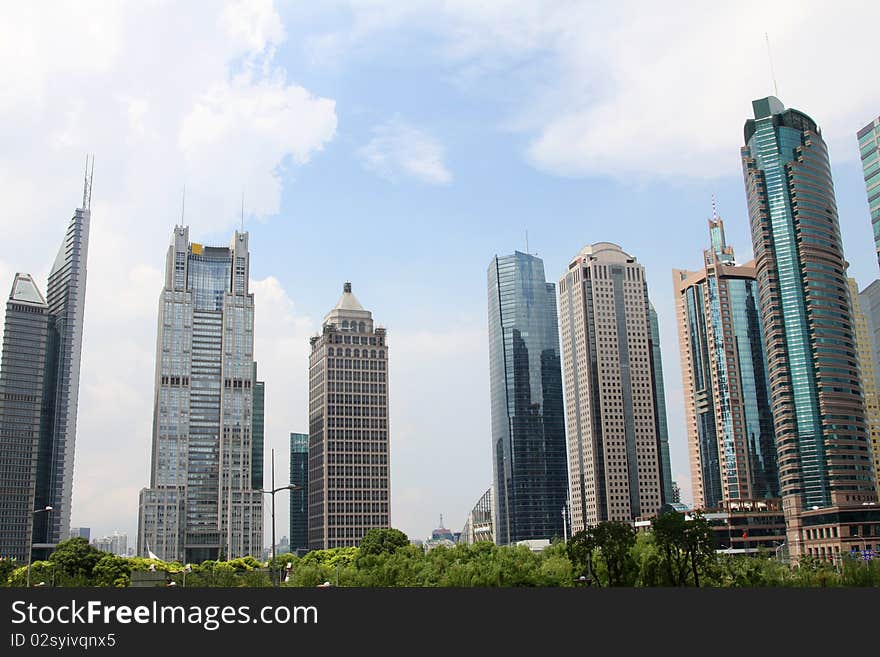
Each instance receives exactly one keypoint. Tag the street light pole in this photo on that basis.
(272, 493)
(48, 509)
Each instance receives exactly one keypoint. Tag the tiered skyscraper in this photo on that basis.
(724, 376)
(349, 486)
(39, 392)
(528, 430)
(817, 403)
(610, 393)
(869, 149)
(202, 502)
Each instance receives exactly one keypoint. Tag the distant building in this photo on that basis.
(440, 536)
(81, 532)
(480, 523)
(299, 499)
(869, 149)
(869, 377)
(675, 497)
(116, 544)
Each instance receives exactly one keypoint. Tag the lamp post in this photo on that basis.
(272, 493)
(47, 509)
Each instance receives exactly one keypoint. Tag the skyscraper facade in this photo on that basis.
(610, 397)
(39, 392)
(349, 482)
(817, 403)
(528, 425)
(299, 508)
(869, 377)
(869, 300)
(724, 377)
(660, 407)
(202, 502)
(869, 149)
(258, 430)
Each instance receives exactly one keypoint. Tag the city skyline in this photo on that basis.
(312, 113)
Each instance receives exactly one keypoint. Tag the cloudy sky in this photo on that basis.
(400, 146)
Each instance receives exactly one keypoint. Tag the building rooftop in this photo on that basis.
(24, 290)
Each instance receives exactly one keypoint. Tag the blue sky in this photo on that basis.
(398, 147)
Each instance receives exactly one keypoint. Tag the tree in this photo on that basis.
(615, 541)
(698, 544)
(112, 570)
(378, 541)
(580, 552)
(76, 559)
(669, 535)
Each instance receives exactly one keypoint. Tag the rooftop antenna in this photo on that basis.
(86, 185)
(242, 210)
(527, 241)
(441, 520)
(91, 178)
(770, 59)
(714, 209)
(183, 205)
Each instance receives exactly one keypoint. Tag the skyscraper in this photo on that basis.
(869, 149)
(299, 508)
(724, 377)
(349, 483)
(258, 430)
(869, 300)
(660, 407)
(202, 502)
(39, 393)
(610, 395)
(869, 377)
(816, 395)
(528, 426)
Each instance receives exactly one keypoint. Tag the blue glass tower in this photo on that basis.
(528, 427)
(299, 499)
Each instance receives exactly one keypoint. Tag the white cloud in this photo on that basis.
(630, 90)
(398, 149)
(165, 95)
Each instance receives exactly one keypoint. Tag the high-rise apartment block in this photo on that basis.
(349, 483)
(202, 502)
(611, 398)
(39, 392)
(869, 149)
(299, 507)
(528, 430)
(816, 396)
(869, 377)
(724, 377)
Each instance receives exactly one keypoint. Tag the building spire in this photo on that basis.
(87, 183)
(346, 287)
(770, 59)
(714, 209)
(183, 206)
(242, 210)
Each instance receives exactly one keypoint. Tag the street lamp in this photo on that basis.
(31, 546)
(272, 493)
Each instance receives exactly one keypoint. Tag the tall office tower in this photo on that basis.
(299, 509)
(869, 377)
(202, 502)
(258, 430)
(869, 149)
(869, 300)
(660, 407)
(724, 377)
(349, 483)
(528, 426)
(610, 396)
(815, 393)
(39, 392)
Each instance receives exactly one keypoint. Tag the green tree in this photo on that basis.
(669, 531)
(112, 570)
(377, 541)
(698, 545)
(580, 552)
(7, 565)
(76, 560)
(615, 541)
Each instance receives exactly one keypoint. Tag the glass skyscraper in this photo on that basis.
(816, 394)
(258, 430)
(528, 426)
(661, 425)
(869, 150)
(202, 502)
(299, 509)
(724, 376)
(39, 393)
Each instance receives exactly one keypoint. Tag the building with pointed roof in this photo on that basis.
(348, 469)
(39, 392)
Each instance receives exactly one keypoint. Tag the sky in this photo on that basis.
(399, 146)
